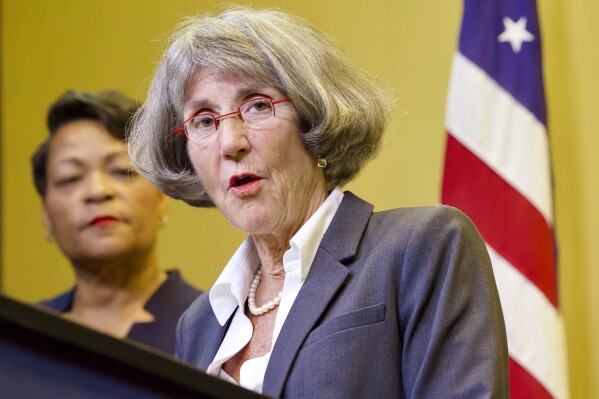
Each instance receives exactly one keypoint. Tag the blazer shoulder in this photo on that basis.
(429, 219)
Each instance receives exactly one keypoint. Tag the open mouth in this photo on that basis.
(242, 180)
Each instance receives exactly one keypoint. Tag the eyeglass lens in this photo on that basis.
(254, 113)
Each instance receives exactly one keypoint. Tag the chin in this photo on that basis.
(252, 220)
(257, 226)
(108, 250)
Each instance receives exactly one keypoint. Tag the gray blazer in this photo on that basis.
(397, 304)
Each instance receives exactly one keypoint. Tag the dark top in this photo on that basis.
(166, 305)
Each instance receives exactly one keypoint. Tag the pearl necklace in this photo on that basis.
(257, 311)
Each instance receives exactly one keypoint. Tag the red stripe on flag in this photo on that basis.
(508, 222)
(523, 385)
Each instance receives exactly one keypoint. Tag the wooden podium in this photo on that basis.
(43, 355)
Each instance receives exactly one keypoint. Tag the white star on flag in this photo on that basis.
(515, 33)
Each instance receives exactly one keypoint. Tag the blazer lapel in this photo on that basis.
(327, 274)
(213, 343)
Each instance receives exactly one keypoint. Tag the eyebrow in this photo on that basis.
(240, 93)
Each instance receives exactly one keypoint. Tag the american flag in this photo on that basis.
(498, 171)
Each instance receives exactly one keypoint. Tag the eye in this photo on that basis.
(124, 172)
(202, 121)
(67, 180)
(259, 105)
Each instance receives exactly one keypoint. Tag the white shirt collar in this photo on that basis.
(231, 288)
(308, 237)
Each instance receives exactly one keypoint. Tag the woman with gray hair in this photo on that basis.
(259, 114)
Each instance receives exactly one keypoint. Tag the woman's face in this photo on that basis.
(95, 205)
(263, 180)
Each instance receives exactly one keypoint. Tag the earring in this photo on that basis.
(49, 237)
(322, 163)
(163, 220)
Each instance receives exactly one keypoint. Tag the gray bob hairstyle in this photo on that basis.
(343, 113)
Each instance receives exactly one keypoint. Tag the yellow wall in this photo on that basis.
(51, 46)
(571, 63)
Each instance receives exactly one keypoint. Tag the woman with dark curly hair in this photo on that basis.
(259, 114)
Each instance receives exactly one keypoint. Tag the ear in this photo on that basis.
(46, 220)
(162, 203)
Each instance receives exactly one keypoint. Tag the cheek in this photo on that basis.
(199, 153)
(144, 200)
(56, 211)
(63, 225)
(206, 163)
(296, 161)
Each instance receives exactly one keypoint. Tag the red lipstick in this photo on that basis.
(240, 180)
(244, 184)
(104, 220)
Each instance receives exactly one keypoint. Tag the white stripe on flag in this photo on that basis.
(500, 131)
(535, 329)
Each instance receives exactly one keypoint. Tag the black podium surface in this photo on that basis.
(43, 355)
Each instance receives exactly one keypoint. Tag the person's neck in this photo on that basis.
(117, 283)
(272, 246)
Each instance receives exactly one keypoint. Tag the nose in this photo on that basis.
(99, 188)
(232, 136)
